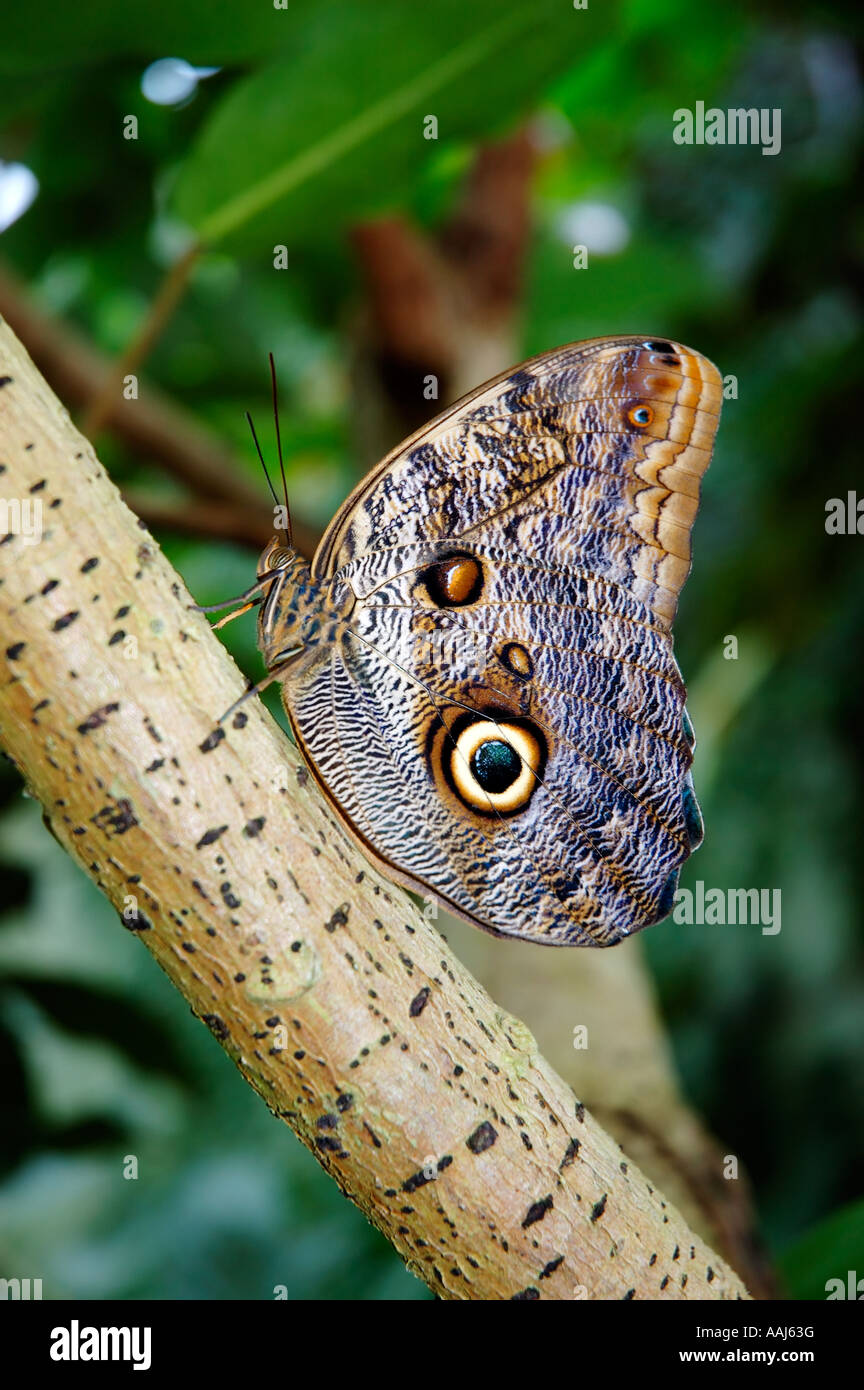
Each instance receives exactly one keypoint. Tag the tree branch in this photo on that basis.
(428, 1104)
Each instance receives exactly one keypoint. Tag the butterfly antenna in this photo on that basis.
(279, 445)
(261, 457)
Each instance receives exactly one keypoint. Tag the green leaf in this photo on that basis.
(95, 30)
(829, 1251)
(337, 128)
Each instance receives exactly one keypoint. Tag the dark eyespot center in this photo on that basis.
(495, 765)
(455, 581)
(658, 345)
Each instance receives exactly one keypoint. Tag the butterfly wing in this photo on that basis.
(501, 722)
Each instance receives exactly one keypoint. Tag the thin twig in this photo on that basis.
(167, 298)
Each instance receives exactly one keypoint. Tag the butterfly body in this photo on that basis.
(478, 665)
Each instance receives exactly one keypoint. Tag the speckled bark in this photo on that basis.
(340, 1004)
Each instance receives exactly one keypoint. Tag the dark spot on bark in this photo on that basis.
(528, 1295)
(15, 650)
(327, 1121)
(155, 765)
(136, 921)
(228, 897)
(483, 1138)
(339, 918)
(51, 584)
(144, 553)
(254, 827)
(710, 1275)
(675, 1253)
(116, 637)
(536, 1212)
(97, 718)
(580, 1112)
(217, 1027)
(344, 1102)
(444, 1162)
(37, 487)
(551, 1267)
(188, 947)
(90, 564)
(296, 946)
(598, 1208)
(572, 1151)
(211, 836)
(419, 1002)
(6, 380)
(116, 819)
(65, 621)
(457, 1071)
(302, 776)
(653, 1259)
(239, 978)
(416, 1180)
(664, 1281)
(630, 1294)
(211, 740)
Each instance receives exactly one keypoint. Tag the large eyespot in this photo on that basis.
(454, 581)
(640, 416)
(494, 765)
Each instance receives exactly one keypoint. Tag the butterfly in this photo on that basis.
(478, 664)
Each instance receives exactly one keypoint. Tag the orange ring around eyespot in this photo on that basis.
(636, 411)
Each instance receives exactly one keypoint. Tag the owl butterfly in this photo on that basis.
(478, 666)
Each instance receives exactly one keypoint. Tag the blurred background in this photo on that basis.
(376, 193)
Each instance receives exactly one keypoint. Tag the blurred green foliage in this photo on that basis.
(314, 119)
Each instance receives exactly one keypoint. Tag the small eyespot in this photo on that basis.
(517, 660)
(640, 416)
(658, 346)
(455, 581)
(494, 767)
